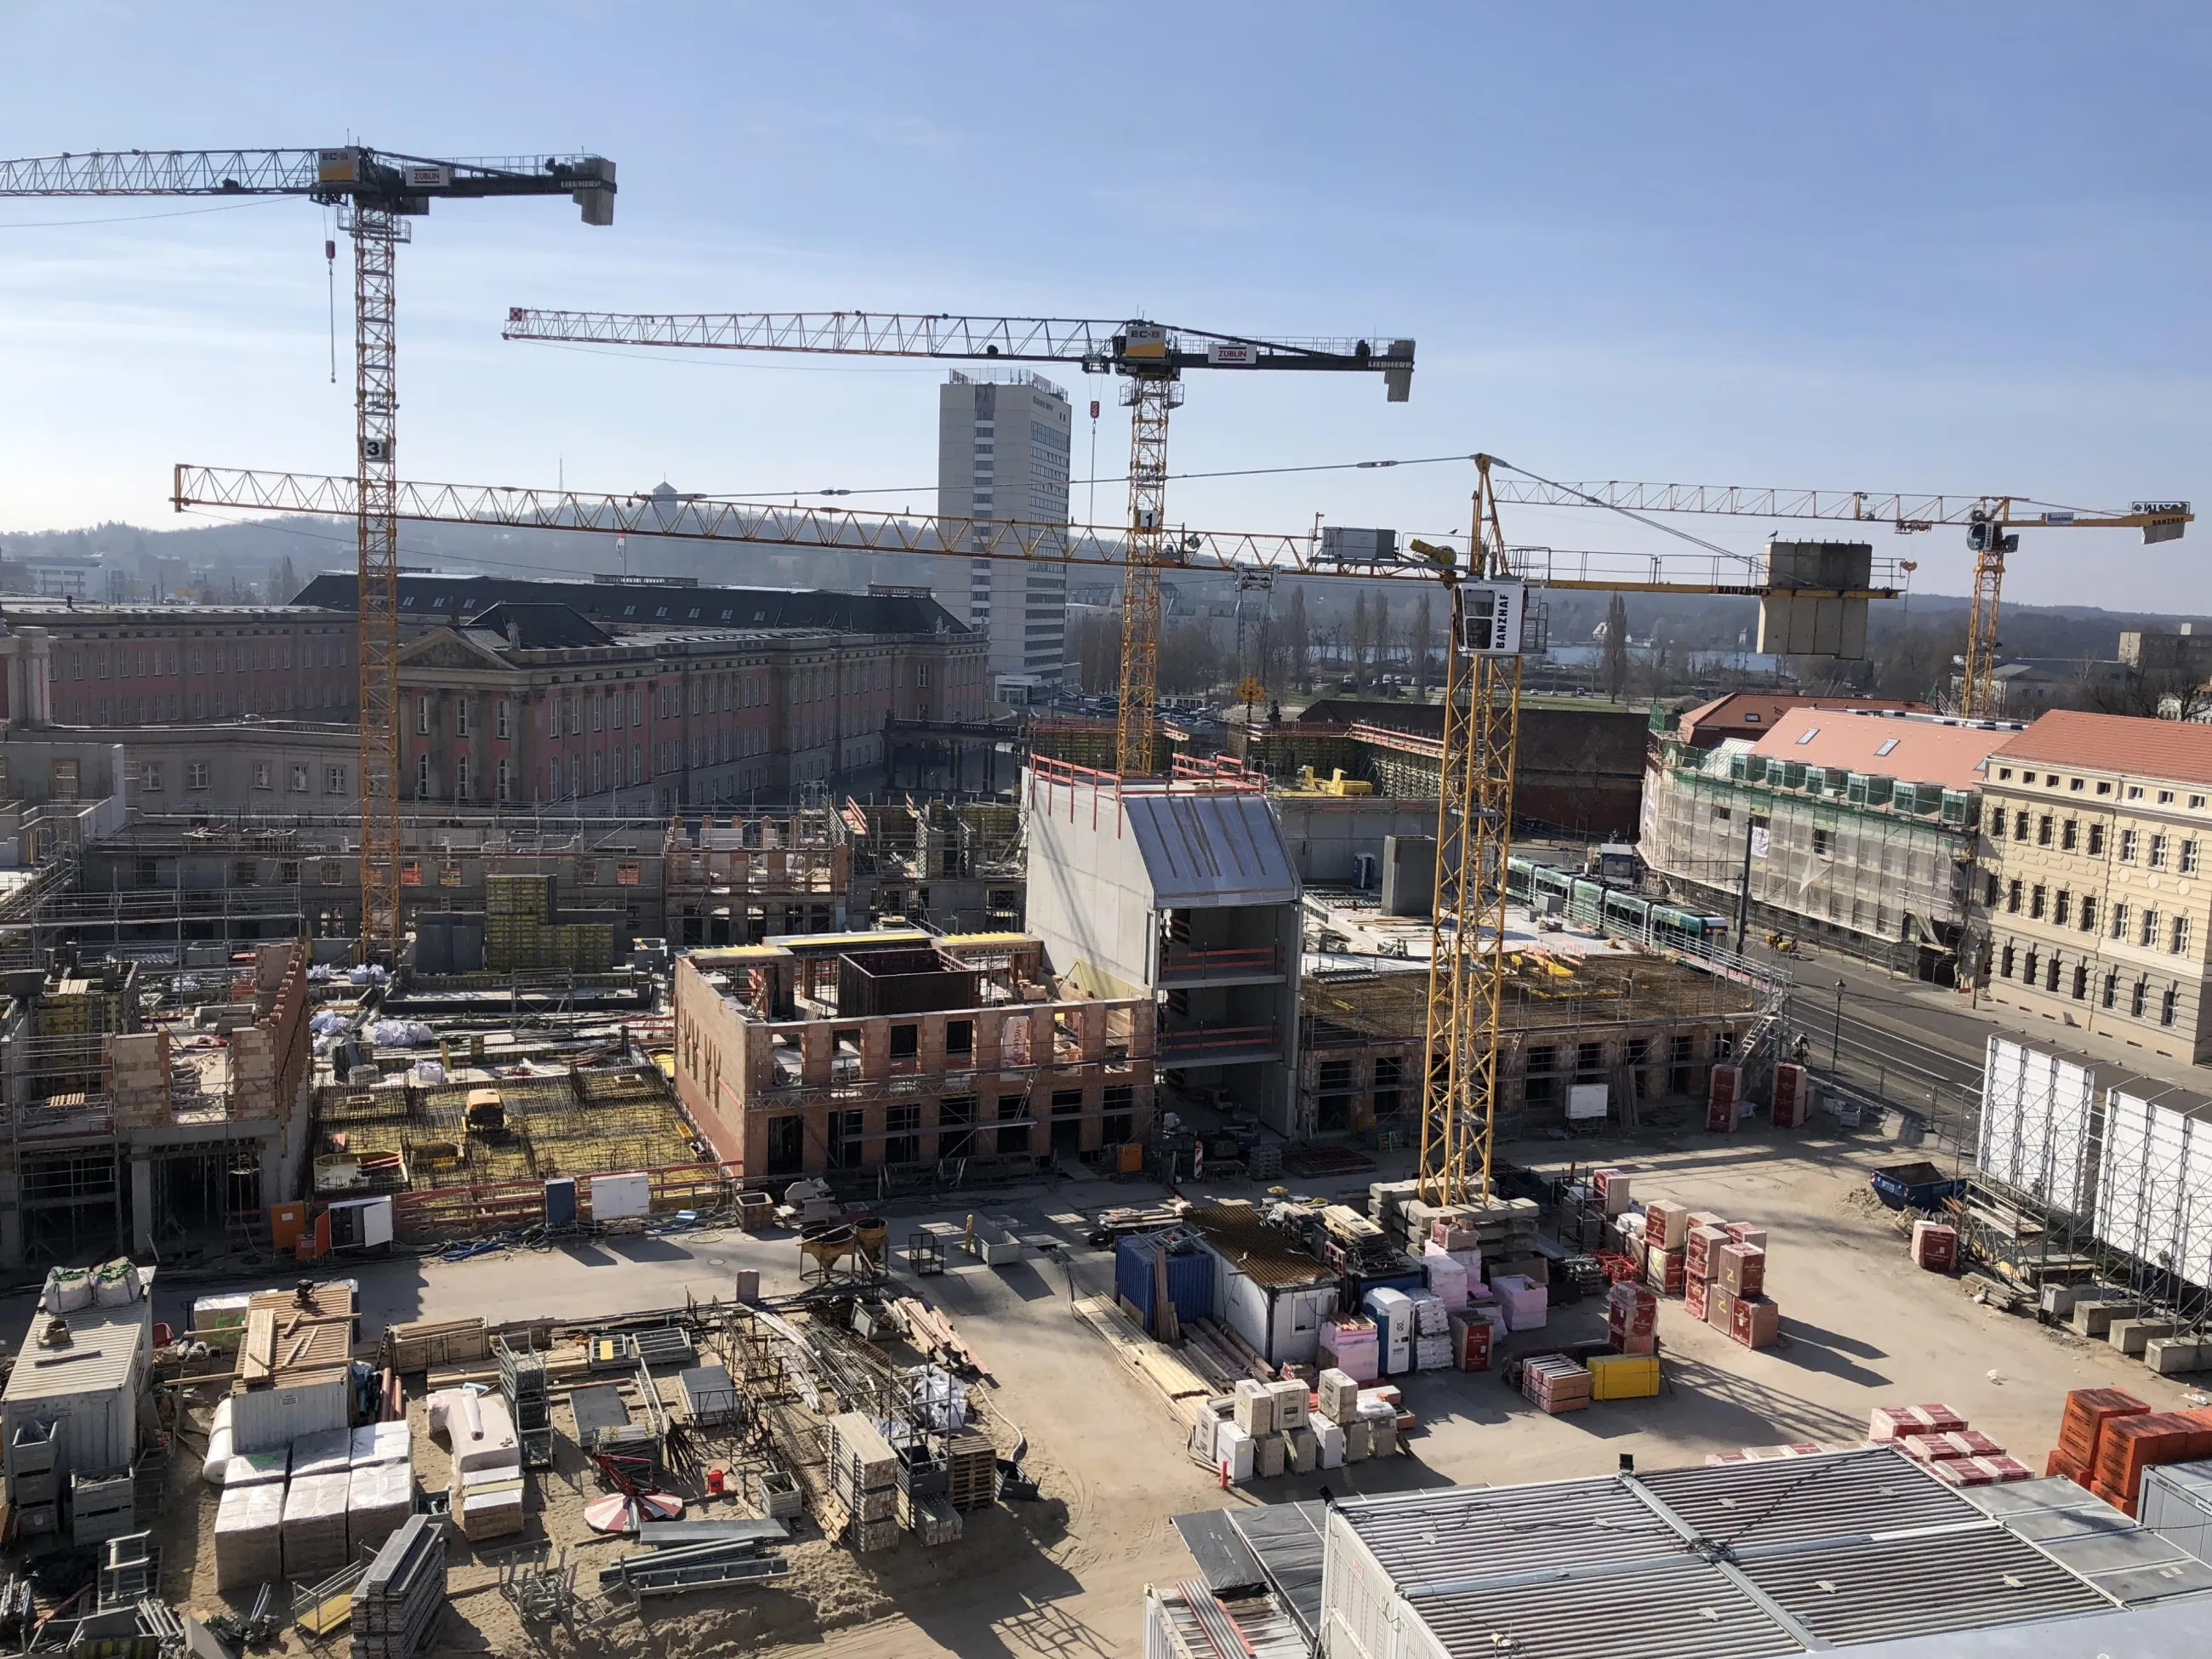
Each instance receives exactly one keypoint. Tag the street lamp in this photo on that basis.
(1836, 1043)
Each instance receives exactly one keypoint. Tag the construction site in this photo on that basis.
(740, 1119)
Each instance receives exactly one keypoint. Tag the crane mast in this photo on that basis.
(378, 193)
(1152, 357)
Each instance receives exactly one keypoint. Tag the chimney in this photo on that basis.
(513, 635)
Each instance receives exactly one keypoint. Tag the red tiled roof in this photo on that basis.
(1922, 749)
(2179, 750)
(1732, 714)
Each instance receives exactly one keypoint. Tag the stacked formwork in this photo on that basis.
(524, 933)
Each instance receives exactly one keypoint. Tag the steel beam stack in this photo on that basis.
(398, 1601)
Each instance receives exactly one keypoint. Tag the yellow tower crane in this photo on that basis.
(1992, 524)
(1151, 358)
(1488, 583)
(378, 194)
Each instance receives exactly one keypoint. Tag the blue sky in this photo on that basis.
(1955, 247)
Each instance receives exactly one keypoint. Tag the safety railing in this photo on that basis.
(1183, 961)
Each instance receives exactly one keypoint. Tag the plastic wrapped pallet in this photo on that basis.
(259, 1468)
(1235, 1446)
(379, 1497)
(1270, 1456)
(249, 1537)
(1956, 1443)
(1701, 1251)
(1331, 1437)
(1523, 1303)
(315, 1525)
(1447, 1277)
(1743, 1269)
(329, 1452)
(1338, 1395)
(1430, 1314)
(1472, 1340)
(1254, 1410)
(1433, 1353)
(1353, 1345)
(383, 1443)
(1293, 1404)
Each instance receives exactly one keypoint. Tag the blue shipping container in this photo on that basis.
(1190, 1278)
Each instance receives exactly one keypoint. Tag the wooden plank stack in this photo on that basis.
(864, 1481)
(397, 1603)
(427, 1342)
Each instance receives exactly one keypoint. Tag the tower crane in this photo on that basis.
(1992, 524)
(378, 193)
(1150, 357)
(1486, 583)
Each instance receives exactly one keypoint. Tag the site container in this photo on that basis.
(1190, 1278)
(262, 1418)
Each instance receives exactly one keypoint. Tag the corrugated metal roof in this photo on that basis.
(1835, 1495)
(1910, 1586)
(103, 1344)
(1435, 1539)
(1286, 1538)
(1238, 1234)
(1682, 1610)
(1211, 849)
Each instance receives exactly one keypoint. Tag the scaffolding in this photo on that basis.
(1877, 866)
(2086, 1174)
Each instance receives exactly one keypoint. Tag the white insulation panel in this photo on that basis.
(2036, 1124)
(2154, 1191)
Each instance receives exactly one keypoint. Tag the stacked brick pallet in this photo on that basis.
(1556, 1384)
(1939, 1437)
(2107, 1437)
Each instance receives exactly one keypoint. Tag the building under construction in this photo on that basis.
(1644, 1030)
(150, 1111)
(906, 1057)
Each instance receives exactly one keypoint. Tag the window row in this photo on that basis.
(153, 775)
(2053, 975)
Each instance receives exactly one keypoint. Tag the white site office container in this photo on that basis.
(2177, 1505)
(262, 1418)
(88, 1389)
(620, 1197)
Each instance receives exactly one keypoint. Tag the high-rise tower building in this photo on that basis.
(1003, 441)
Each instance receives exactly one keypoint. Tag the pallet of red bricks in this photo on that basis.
(1939, 1437)
(1717, 1266)
(2107, 1437)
